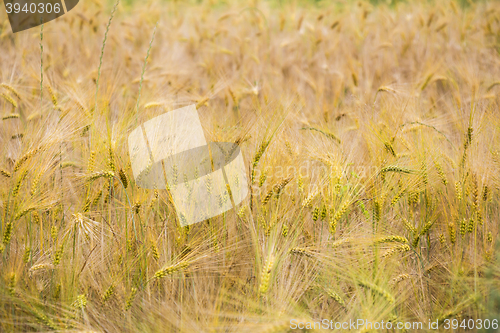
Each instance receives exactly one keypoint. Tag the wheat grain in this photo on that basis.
(86, 207)
(333, 226)
(336, 297)
(396, 249)
(153, 105)
(154, 251)
(58, 255)
(479, 217)
(463, 227)
(34, 185)
(11, 116)
(27, 255)
(108, 293)
(397, 197)
(12, 284)
(469, 136)
(325, 133)
(258, 155)
(300, 184)
(45, 320)
(180, 266)
(284, 230)
(470, 226)
(376, 210)
(400, 278)
(458, 190)
(308, 201)
(416, 240)
(136, 208)
(9, 99)
(123, 178)
(452, 233)
(111, 159)
(24, 158)
(338, 214)
(475, 193)
(39, 267)
(53, 96)
(279, 187)
(11, 89)
(392, 238)
(323, 213)
(242, 211)
(101, 174)
(91, 162)
(397, 169)
(440, 172)
(408, 226)
(130, 298)
(24, 212)
(315, 214)
(266, 275)
(17, 186)
(7, 234)
(426, 228)
(413, 197)
(268, 196)
(262, 179)
(53, 232)
(485, 193)
(442, 239)
(5, 173)
(96, 199)
(423, 168)
(36, 218)
(81, 301)
(301, 251)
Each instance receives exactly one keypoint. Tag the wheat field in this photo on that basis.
(371, 136)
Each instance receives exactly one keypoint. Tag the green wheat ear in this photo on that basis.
(397, 169)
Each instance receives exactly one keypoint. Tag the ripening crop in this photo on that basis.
(370, 132)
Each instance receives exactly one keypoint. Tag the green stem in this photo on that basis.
(100, 66)
(142, 74)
